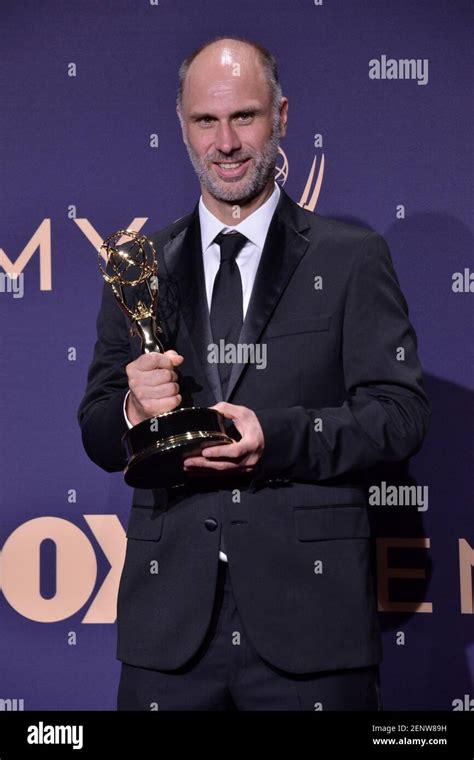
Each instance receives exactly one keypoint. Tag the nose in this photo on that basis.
(227, 139)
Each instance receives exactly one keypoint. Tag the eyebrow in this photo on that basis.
(196, 115)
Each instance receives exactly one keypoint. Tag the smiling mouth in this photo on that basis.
(231, 168)
(228, 165)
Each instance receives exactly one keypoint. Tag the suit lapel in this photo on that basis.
(282, 252)
(183, 264)
(284, 247)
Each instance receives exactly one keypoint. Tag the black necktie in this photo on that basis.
(226, 304)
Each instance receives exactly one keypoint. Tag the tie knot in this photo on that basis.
(230, 244)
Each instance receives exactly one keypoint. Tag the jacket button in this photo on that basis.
(210, 523)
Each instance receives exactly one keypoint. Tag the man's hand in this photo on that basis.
(239, 457)
(153, 386)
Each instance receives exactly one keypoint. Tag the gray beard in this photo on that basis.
(258, 174)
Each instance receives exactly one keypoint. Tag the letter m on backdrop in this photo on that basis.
(41, 240)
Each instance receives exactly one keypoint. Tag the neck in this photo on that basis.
(225, 210)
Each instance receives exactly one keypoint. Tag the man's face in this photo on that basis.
(230, 127)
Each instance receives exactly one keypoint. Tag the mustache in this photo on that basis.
(226, 159)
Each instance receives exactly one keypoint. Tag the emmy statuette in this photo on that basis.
(157, 446)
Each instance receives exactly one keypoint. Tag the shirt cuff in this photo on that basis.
(129, 424)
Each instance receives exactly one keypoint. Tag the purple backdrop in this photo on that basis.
(83, 86)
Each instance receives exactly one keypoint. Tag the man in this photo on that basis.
(250, 586)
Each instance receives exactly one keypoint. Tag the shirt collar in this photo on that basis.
(254, 227)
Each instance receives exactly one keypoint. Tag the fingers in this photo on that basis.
(218, 457)
(228, 451)
(203, 465)
(176, 359)
(151, 378)
(153, 385)
(153, 393)
(154, 360)
(207, 472)
(229, 411)
(155, 406)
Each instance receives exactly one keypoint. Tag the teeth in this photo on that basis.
(230, 166)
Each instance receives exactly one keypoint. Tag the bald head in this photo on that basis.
(232, 116)
(231, 56)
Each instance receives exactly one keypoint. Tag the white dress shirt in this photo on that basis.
(255, 228)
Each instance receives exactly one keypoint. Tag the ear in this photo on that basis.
(283, 116)
(179, 114)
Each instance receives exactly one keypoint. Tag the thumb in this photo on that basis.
(175, 357)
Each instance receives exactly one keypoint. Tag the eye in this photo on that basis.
(205, 121)
(245, 117)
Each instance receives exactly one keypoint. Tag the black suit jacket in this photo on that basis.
(334, 401)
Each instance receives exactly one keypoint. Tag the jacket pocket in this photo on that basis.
(145, 524)
(298, 326)
(323, 523)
